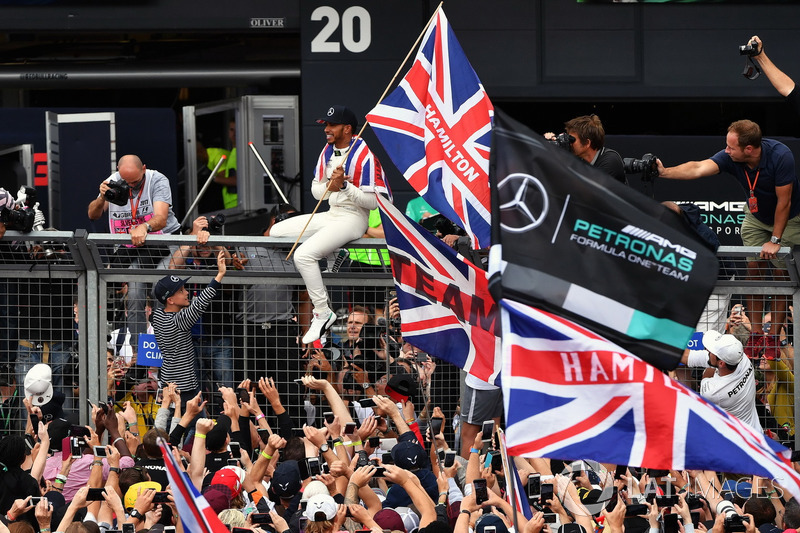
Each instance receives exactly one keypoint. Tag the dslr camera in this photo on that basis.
(750, 49)
(647, 166)
(734, 523)
(563, 140)
(118, 192)
(215, 224)
(27, 216)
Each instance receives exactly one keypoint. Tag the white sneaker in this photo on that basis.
(319, 325)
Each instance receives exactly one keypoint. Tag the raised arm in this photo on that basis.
(782, 82)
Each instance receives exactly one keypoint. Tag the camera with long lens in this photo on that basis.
(17, 219)
(750, 49)
(118, 192)
(563, 140)
(26, 216)
(215, 224)
(647, 166)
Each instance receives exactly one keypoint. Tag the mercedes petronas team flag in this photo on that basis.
(573, 241)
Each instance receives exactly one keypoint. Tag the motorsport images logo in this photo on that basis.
(523, 202)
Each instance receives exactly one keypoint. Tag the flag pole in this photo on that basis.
(403, 64)
(266, 169)
(364, 126)
(511, 485)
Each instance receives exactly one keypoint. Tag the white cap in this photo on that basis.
(313, 488)
(725, 347)
(321, 505)
(39, 384)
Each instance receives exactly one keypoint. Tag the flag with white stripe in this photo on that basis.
(568, 393)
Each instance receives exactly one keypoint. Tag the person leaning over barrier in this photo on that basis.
(142, 205)
(765, 169)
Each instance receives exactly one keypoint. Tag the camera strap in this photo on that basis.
(751, 70)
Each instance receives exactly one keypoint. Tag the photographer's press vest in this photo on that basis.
(122, 217)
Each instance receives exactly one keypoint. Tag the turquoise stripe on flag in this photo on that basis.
(669, 332)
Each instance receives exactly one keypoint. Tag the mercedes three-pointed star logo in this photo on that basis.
(523, 202)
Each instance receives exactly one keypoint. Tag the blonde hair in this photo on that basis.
(319, 527)
(232, 517)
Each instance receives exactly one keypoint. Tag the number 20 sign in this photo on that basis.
(355, 24)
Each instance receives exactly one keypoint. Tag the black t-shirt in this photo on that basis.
(156, 469)
(217, 461)
(793, 99)
(610, 162)
(16, 483)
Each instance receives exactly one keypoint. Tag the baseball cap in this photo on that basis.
(54, 408)
(409, 455)
(321, 507)
(490, 520)
(400, 387)
(389, 519)
(217, 498)
(39, 384)
(215, 439)
(229, 478)
(339, 114)
(136, 489)
(725, 347)
(409, 517)
(167, 286)
(286, 480)
(313, 488)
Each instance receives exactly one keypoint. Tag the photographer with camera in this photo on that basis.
(139, 202)
(585, 137)
(781, 81)
(765, 169)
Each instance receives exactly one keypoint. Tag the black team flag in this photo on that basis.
(572, 240)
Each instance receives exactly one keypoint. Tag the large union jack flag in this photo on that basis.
(445, 305)
(569, 393)
(436, 127)
(360, 164)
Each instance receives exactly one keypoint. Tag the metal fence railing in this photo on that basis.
(80, 301)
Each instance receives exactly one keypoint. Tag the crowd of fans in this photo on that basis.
(372, 464)
(370, 438)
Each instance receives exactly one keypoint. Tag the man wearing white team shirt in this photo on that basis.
(730, 381)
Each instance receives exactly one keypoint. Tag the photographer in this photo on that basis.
(588, 144)
(782, 82)
(138, 201)
(765, 169)
(7, 202)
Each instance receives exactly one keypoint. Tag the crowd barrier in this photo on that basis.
(65, 295)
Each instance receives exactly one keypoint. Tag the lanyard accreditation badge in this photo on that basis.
(752, 202)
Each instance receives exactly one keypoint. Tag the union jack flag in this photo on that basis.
(360, 164)
(193, 509)
(568, 393)
(445, 305)
(436, 126)
(518, 491)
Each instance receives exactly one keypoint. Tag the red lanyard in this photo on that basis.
(135, 208)
(751, 185)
